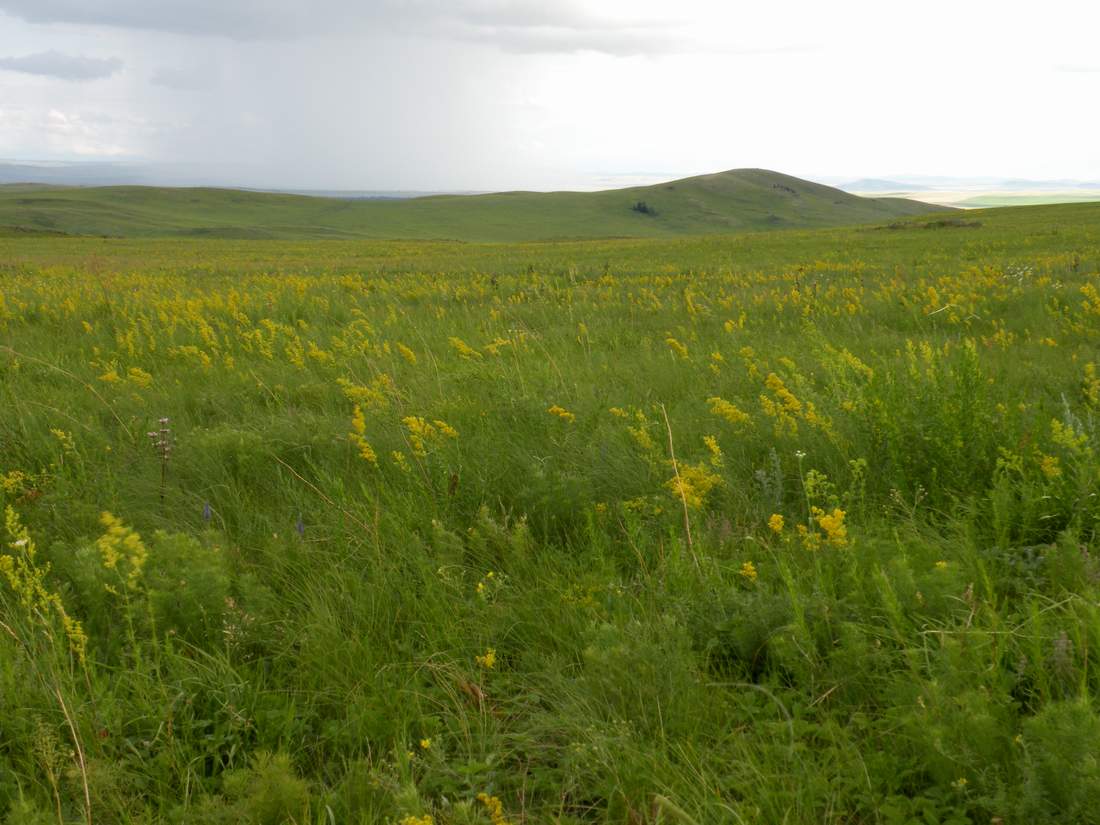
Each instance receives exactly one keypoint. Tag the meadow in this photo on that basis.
(734, 200)
(787, 527)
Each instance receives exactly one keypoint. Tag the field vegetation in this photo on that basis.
(736, 200)
(791, 527)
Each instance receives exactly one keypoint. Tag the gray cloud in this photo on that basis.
(527, 26)
(192, 79)
(64, 66)
(244, 19)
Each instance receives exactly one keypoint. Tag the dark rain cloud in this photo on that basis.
(513, 25)
(63, 66)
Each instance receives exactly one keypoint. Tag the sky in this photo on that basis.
(481, 95)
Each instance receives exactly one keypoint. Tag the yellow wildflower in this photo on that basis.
(677, 347)
(810, 540)
(13, 481)
(562, 413)
(462, 348)
(488, 659)
(833, 524)
(66, 439)
(1050, 466)
(494, 347)
(748, 571)
(445, 429)
(775, 522)
(119, 545)
(420, 432)
(724, 409)
(1091, 385)
(139, 376)
(715, 451)
(28, 581)
(494, 807)
(1065, 435)
(406, 353)
(358, 428)
(691, 484)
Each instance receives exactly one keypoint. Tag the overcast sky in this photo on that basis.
(492, 94)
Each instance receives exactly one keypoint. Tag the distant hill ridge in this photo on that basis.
(736, 200)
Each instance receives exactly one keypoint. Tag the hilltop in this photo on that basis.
(736, 200)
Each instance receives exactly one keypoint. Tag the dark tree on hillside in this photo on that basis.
(644, 208)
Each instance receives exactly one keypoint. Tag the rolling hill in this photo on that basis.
(737, 200)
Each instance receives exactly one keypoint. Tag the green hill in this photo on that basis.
(737, 200)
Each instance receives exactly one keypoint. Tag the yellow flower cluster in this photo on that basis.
(692, 483)
(1091, 385)
(811, 539)
(715, 451)
(13, 482)
(786, 408)
(730, 412)
(421, 432)
(121, 547)
(677, 347)
(373, 396)
(836, 533)
(407, 353)
(462, 348)
(494, 807)
(488, 659)
(68, 444)
(562, 413)
(139, 376)
(27, 579)
(357, 436)
(1050, 466)
(1065, 435)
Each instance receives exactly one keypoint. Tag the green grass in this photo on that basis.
(994, 200)
(302, 632)
(747, 199)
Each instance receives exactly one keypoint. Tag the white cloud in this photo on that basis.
(481, 94)
(62, 66)
(47, 133)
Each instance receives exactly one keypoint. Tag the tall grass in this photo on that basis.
(419, 551)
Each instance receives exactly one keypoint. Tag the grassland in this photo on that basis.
(789, 527)
(995, 199)
(737, 200)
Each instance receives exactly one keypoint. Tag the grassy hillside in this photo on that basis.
(739, 200)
